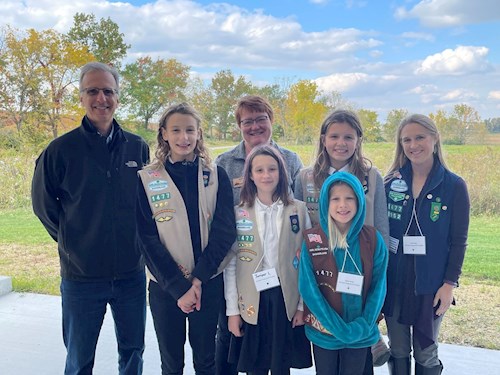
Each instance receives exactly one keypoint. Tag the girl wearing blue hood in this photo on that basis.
(342, 279)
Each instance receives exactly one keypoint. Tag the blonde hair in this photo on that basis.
(400, 158)
(163, 147)
(336, 238)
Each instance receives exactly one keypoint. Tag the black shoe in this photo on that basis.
(421, 370)
(399, 366)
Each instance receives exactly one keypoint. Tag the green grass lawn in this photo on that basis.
(27, 251)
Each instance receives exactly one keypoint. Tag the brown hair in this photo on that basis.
(400, 158)
(359, 165)
(253, 103)
(249, 190)
(163, 147)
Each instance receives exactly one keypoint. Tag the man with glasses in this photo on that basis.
(84, 193)
(254, 117)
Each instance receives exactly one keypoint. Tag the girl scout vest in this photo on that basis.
(311, 194)
(249, 254)
(326, 271)
(170, 214)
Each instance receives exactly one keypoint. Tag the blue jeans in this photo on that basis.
(83, 309)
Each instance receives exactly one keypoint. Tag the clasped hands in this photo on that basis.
(191, 300)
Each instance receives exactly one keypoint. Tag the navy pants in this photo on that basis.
(83, 308)
(170, 327)
(339, 362)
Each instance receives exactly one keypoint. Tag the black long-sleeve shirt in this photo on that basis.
(221, 237)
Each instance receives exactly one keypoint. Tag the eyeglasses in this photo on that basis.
(94, 91)
(261, 120)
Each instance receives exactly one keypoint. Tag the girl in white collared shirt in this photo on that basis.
(261, 283)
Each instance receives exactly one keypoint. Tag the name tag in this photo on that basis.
(414, 245)
(350, 283)
(393, 245)
(265, 279)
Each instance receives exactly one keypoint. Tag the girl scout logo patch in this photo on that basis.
(244, 225)
(399, 186)
(158, 185)
(435, 209)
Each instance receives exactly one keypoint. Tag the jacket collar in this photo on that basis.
(434, 179)
(90, 133)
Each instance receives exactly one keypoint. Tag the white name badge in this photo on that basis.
(393, 245)
(266, 279)
(414, 245)
(350, 283)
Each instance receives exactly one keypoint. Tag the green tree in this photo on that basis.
(493, 124)
(445, 126)
(149, 86)
(102, 39)
(305, 111)
(43, 66)
(277, 95)
(392, 122)
(371, 126)
(225, 89)
(468, 124)
(18, 85)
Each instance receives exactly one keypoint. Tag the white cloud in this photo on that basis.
(462, 60)
(451, 13)
(341, 82)
(418, 36)
(458, 95)
(495, 95)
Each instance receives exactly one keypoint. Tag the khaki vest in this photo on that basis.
(170, 214)
(311, 195)
(249, 256)
(326, 271)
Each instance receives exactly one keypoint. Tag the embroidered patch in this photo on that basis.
(206, 178)
(394, 215)
(396, 197)
(158, 185)
(314, 237)
(160, 197)
(251, 310)
(395, 207)
(435, 210)
(399, 186)
(312, 200)
(153, 174)
(162, 219)
(294, 223)
(244, 225)
(245, 238)
(243, 213)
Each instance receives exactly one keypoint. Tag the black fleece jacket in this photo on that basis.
(84, 192)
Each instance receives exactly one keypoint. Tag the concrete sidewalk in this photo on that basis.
(31, 344)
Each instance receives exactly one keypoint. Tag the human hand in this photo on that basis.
(234, 324)
(197, 291)
(444, 296)
(298, 319)
(187, 303)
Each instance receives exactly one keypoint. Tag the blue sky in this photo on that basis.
(421, 55)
